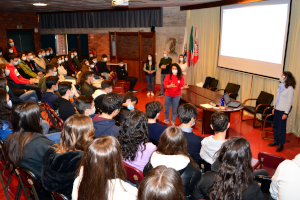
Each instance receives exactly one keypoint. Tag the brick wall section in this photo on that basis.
(128, 46)
(10, 20)
(100, 42)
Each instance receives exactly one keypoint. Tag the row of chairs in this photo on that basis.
(262, 104)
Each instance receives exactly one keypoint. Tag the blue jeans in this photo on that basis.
(279, 126)
(30, 96)
(162, 83)
(174, 101)
(150, 82)
(54, 137)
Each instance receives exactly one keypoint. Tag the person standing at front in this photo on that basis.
(150, 71)
(164, 64)
(173, 83)
(283, 105)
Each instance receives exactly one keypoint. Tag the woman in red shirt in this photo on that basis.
(173, 83)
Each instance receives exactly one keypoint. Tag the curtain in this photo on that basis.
(107, 19)
(208, 22)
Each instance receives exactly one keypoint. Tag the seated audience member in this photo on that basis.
(30, 57)
(15, 95)
(187, 115)
(7, 52)
(134, 139)
(52, 85)
(10, 43)
(153, 109)
(76, 60)
(161, 183)
(102, 67)
(123, 75)
(129, 102)
(60, 69)
(20, 82)
(45, 53)
(231, 175)
(103, 159)
(286, 180)
(52, 55)
(2, 59)
(25, 67)
(40, 63)
(104, 124)
(106, 87)
(63, 107)
(172, 153)
(219, 122)
(85, 105)
(5, 115)
(71, 66)
(27, 145)
(50, 71)
(61, 161)
(48, 55)
(87, 87)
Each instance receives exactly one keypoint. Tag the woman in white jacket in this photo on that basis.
(283, 105)
(183, 65)
(102, 175)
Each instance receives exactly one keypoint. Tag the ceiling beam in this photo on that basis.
(216, 4)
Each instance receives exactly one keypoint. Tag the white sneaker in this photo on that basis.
(152, 94)
(148, 94)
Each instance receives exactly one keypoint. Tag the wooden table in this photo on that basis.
(197, 95)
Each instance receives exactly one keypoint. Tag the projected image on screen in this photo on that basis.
(253, 37)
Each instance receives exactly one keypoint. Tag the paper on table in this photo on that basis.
(206, 105)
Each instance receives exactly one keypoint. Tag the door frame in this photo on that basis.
(22, 30)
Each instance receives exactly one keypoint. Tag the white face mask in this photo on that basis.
(180, 59)
(105, 59)
(31, 57)
(165, 55)
(174, 71)
(24, 58)
(282, 79)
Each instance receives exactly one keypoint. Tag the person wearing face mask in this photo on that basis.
(52, 85)
(50, 71)
(39, 61)
(128, 104)
(5, 115)
(187, 115)
(164, 64)
(61, 70)
(71, 67)
(87, 87)
(47, 55)
(102, 67)
(153, 110)
(2, 59)
(85, 105)
(150, 71)
(25, 60)
(62, 106)
(173, 84)
(183, 65)
(30, 57)
(11, 44)
(123, 75)
(7, 52)
(106, 87)
(283, 106)
(104, 123)
(76, 60)
(52, 55)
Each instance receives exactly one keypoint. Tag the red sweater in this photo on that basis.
(14, 77)
(15, 50)
(176, 91)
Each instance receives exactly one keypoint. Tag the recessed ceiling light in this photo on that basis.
(39, 4)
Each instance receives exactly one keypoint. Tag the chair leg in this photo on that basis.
(3, 187)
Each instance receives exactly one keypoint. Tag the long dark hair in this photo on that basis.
(172, 142)
(26, 123)
(153, 61)
(290, 80)
(161, 183)
(133, 133)
(234, 175)
(77, 132)
(5, 110)
(179, 71)
(71, 60)
(101, 162)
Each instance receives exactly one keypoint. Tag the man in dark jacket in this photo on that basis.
(87, 87)
(102, 67)
(123, 75)
(52, 85)
(187, 115)
(85, 105)
(62, 106)
(104, 124)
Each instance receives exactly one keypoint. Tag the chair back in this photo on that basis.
(133, 173)
(264, 98)
(232, 88)
(57, 122)
(214, 83)
(58, 196)
(270, 161)
(207, 82)
(25, 175)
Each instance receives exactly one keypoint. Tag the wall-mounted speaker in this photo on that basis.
(153, 29)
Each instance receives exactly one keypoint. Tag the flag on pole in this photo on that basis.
(184, 52)
(191, 48)
(195, 52)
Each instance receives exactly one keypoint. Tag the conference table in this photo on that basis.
(197, 96)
